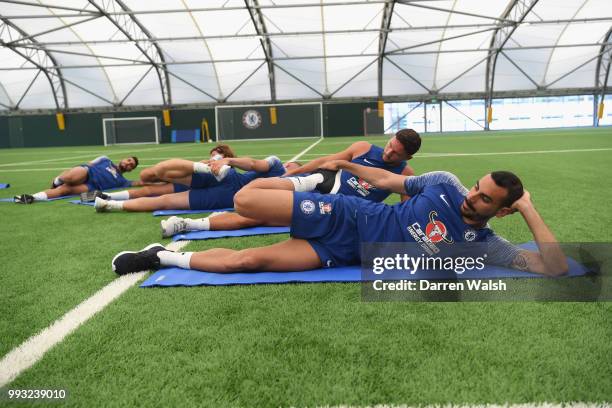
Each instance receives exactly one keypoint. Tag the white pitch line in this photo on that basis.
(418, 156)
(92, 155)
(33, 349)
(424, 155)
(306, 150)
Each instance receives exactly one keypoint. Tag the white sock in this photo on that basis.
(222, 172)
(307, 183)
(200, 168)
(170, 258)
(115, 205)
(58, 182)
(119, 195)
(42, 196)
(197, 224)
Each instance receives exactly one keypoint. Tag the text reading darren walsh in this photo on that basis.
(471, 272)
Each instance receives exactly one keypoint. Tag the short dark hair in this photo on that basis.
(135, 161)
(511, 183)
(223, 149)
(410, 139)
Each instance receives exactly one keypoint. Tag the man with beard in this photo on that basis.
(328, 230)
(99, 174)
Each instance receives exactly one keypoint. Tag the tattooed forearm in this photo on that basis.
(520, 262)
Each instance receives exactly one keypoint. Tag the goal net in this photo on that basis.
(130, 130)
(248, 122)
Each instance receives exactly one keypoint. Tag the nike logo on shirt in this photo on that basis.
(442, 196)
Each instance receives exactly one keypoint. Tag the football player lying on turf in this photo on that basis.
(400, 148)
(176, 175)
(210, 194)
(99, 174)
(327, 230)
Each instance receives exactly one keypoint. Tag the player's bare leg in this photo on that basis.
(268, 206)
(73, 176)
(291, 255)
(65, 190)
(175, 201)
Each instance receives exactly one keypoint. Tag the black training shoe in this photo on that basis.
(24, 199)
(143, 260)
(329, 180)
(90, 196)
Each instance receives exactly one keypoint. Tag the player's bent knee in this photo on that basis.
(243, 200)
(245, 261)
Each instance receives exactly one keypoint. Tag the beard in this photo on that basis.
(470, 213)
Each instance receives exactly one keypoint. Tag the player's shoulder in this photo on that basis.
(360, 147)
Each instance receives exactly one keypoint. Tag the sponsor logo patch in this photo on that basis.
(436, 230)
(469, 235)
(325, 208)
(307, 206)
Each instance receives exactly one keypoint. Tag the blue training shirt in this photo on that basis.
(431, 218)
(103, 174)
(354, 186)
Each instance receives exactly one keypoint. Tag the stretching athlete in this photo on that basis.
(400, 148)
(99, 174)
(327, 230)
(206, 192)
(176, 175)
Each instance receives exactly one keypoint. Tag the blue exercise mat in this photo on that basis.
(166, 212)
(179, 212)
(244, 232)
(11, 199)
(2, 185)
(188, 277)
(79, 202)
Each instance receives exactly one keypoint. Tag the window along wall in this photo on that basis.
(508, 113)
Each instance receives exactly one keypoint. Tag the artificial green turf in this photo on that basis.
(301, 345)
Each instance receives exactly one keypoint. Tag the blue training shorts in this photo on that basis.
(212, 198)
(329, 224)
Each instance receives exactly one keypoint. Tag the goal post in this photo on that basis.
(373, 122)
(269, 121)
(139, 130)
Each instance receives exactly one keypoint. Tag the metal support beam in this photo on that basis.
(51, 30)
(243, 82)
(260, 28)
(408, 75)
(520, 69)
(602, 73)
(462, 13)
(385, 24)
(27, 89)
(133, 62)
(40, 58)
(397, 51)
(133, 29)
(576, 68)
(516, 11)
(353, 77)
(135, 85)
(299, 80)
